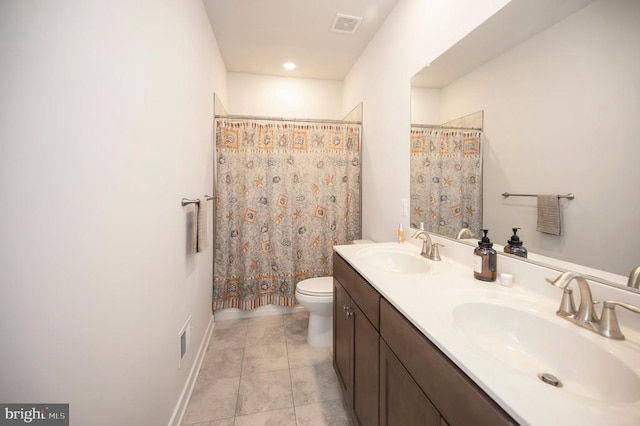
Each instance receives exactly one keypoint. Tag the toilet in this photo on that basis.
(316, 295)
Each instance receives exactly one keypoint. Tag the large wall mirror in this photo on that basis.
(446, 174)
(558, 84)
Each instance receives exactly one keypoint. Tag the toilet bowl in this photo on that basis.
(316, 295)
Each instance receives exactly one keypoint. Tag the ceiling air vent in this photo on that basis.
(346, 24)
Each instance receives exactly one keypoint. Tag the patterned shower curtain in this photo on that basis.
(286, 193)
(446, 180)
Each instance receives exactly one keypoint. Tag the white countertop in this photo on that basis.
(428, 300)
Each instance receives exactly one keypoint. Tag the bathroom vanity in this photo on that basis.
(390, 373)
(416, 344)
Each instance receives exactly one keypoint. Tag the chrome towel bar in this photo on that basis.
(569, 196)
(186, 201)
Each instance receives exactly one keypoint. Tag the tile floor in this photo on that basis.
(261, 371)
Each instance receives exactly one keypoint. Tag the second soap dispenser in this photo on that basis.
(485, 260)
(514, 245)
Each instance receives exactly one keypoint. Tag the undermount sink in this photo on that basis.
(525, 341)
(396, 259)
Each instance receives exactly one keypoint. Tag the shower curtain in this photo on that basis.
(287, 191)
(446, 180)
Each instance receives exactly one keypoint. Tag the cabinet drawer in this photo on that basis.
(457, 398)
(365, 296)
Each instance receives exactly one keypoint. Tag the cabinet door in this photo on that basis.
(342, 340)
(366, 364)
(460, 401)
(402, 402)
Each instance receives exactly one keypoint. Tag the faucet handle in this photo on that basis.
(557, 282)
(567, 305)
(435, 252)
(608, 323)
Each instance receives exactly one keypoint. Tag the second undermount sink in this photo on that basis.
(402, 260)
(527, 342)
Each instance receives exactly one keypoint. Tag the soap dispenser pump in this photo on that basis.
(514, 245)
(485, 260)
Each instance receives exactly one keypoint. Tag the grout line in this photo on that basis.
(235, 412)
(293, 403)
(286, 344)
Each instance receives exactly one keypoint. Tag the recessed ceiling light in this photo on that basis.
(289, 66)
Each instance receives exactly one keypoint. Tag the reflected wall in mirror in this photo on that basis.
(560, 92)
(446, 176)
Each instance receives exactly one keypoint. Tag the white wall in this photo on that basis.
(105, 109)
(415, 33)
(425, 106)
(561, 115)
(261, 95)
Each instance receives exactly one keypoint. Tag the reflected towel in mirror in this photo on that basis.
(549, 214)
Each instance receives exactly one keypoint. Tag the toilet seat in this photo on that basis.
(321, 286)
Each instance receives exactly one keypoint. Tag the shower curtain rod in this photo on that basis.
(435, 126)
(304, 120)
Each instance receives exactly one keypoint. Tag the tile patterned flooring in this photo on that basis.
(261, 371)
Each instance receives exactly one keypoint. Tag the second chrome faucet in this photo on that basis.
(585, 316)
(430, 249)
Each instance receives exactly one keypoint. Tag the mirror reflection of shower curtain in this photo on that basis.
(446, 180)
(286, 193)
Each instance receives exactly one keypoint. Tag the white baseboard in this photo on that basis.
(183, 401)
(262, 311)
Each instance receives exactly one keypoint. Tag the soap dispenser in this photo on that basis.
(485, 260)
(514, 245)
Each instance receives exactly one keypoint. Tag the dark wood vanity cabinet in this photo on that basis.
(356, 341)
(457, 398)
(342, 339)
(391, 374)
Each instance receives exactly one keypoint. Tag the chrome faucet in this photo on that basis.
(463, 232)
(585, 316)
(429, 249)
(634, 278)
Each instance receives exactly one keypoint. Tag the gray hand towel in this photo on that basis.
(192, 229)
(549, 214)
(202, 224)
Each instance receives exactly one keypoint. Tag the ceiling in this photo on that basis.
(258, 36)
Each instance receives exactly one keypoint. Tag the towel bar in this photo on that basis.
(569, 196)
(186, 201)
